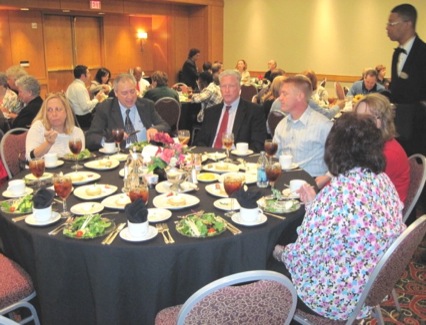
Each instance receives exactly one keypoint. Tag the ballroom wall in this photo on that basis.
(334, 37)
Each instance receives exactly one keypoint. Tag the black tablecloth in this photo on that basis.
(84, 282)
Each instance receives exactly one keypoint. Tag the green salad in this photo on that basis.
(271, 204)
(138, 146)
(96, 227)
(21, 205)
(84, 154)
(206, 225)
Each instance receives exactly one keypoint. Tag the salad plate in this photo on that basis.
(21, 205)
(288, 194)
(95, 191)
(236, 217)
(87, 208)
(58, 164)
(119, 156)
(82, 177)
(32, 178)
(30, 220)
(164, 187)
(83, 155)
(225, 204)
(249, 178)
(270, 204)
(117, 201)
(125, 235)
(10, 195)
(214, 155)
(102, 164)
(97, 226)
(142, 172)
(241, 154)
(221, 167)
(175, 201)
(207, 177)
(216, 189)
(158, 215)
(204, 226)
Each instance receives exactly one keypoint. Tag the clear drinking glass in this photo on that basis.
(273, 171)
(63, 187)
(232, 182)
(75, 144)
(37, 169)
(118, 135)
(227, 142)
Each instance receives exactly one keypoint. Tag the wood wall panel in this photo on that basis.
(142, 51)
(27, 42)
(215, 33)
(58, 42)
(5, 46)
(88, 41)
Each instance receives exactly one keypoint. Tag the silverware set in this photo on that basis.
(163, 229)
(58, 229)
(234, 230)
(110, 238)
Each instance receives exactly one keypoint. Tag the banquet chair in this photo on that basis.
(16, 290)
(323, 83)
(345, 90)
(273, 119)
(382, 279)
(268, 298)
(12, 147)
(248, 91)
(182, 86)
(7, 321)
(417, 182)
(340, 93)
(169, 110)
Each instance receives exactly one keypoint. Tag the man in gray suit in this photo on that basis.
(113, 112)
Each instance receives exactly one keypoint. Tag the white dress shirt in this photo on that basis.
(79, 98)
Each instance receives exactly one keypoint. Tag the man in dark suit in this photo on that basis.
(408, 86)
(113, 112)
(246, 120)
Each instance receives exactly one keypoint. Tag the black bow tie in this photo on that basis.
(399, 50)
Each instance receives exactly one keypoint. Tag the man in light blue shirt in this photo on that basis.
(303, 132)
(367, 85)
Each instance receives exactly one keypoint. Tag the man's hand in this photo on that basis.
(150, 134)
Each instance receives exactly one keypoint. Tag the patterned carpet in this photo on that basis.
(411, 290)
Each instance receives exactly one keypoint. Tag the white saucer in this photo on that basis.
(32, 222)
(237, 219)
(87, 208)
(158, 215)
(293, 166)
(102, 150)
(9, 195)
(125, 234)
(58, 163)
(225, 204)
(241, 154)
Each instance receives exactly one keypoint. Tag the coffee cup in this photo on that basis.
(242, 147)
(109, 147)
(42, 215)
(249, 215)
(151, 179)
(286, 161)
(295, 185)
(50, 159)
(16, 187)
(138, 230)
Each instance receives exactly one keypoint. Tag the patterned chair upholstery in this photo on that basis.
(169, 110)
(417, 182)
(248, 91)
(12, 147)
(271, 299)
(382, 279)
(340, 92)
(16, 289)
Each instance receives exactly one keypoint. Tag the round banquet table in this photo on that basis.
(85, 282)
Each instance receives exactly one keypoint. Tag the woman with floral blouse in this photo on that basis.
(347, 226)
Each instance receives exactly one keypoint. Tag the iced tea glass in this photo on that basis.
(75, 144)
(273, 171)
(227, 142)
(232, 182)
(37, 169)
(63, 187)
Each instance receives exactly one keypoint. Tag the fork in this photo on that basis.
(161, 231)
(166, 229)
(60, 227)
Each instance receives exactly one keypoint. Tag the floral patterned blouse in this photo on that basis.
(345, 231)
(11, 102)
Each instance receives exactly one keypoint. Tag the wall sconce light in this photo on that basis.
(142, 37)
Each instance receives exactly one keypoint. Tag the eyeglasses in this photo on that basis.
(50, 110)
(394, 23)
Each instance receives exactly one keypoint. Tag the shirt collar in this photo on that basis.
(234, 104)
(303, 119)
(408, 45)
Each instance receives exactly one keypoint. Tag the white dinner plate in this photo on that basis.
(293, 166)
(32, 178)
(102, 150)
(216, 189)
(106, 190)
(175, 202)
(164, 187)
(249, 178)
(10, 195)
(241, 154)
(221, 167)
(214, 155)
(119, 156)
(32, 222)
(125, 235)
(225, 204)
(236, 217)
(102, 164)
(158, 215)
(87, 208)
(116, 202)
(289, 195)
(249, 168)
(141, 173)
(58, 164)
(207, 177)
(82, 177)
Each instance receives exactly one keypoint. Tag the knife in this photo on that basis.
(111, 237)
(232, 228)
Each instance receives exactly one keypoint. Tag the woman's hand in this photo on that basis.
(307, 193)
(50, 136)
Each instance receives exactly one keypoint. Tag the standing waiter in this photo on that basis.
(408, 86)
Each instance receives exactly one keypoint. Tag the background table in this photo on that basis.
(84, 282)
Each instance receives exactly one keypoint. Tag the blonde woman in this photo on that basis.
(52, 128)
(241, 67)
